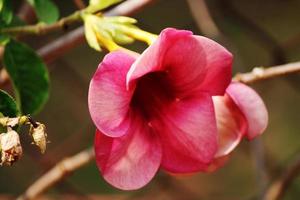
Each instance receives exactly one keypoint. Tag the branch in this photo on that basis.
(259, 73)
(279, 187)
(42, 28)
(79, 3)
(203, 18)
(58, 172)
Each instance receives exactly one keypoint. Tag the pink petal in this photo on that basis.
(217, 163)
(152, 58)
(108, 98)
(252, 107)
(231, 124)
(188, 133)
(129, 162)
(193, 63)
(219, 66)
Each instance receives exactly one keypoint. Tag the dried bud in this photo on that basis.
(11, 149)
(39, 136)
(13, 121)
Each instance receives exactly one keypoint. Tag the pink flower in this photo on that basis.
(171, 107)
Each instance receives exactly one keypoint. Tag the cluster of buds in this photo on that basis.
(10, 145)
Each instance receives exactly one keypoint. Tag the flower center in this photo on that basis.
(153, 91)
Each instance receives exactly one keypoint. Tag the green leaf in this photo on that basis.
(1, 4)
(101, 4)
(46, 10)
(29, 76)
(4, 39)
(8, 106)
(6, 13)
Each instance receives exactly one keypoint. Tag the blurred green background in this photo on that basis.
(259, 33)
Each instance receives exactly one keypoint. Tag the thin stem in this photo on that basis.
(279, 187)
(140, 34)
(203, 18)
(259, 73)
(42, 28)
(59, 171)
(79, 3)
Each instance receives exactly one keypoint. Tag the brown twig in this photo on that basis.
(203, 18)
(41, 28)
(259, 73)
(61, 170)
(279, 187)
(79, 4)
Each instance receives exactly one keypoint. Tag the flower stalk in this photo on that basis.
(140, 34)
(110, 45)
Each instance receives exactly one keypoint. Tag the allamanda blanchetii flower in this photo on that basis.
(174, 106)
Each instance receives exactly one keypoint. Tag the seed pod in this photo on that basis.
(39, 136)
(11, 149)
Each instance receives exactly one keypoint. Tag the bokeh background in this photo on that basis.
(259, 33)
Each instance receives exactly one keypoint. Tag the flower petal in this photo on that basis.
(231, 124)
(152, 58)
(129, 162)
(252, 107)
(219, 66)
(193, 63)
(189, 134)
(108, 98)
(217, 163)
